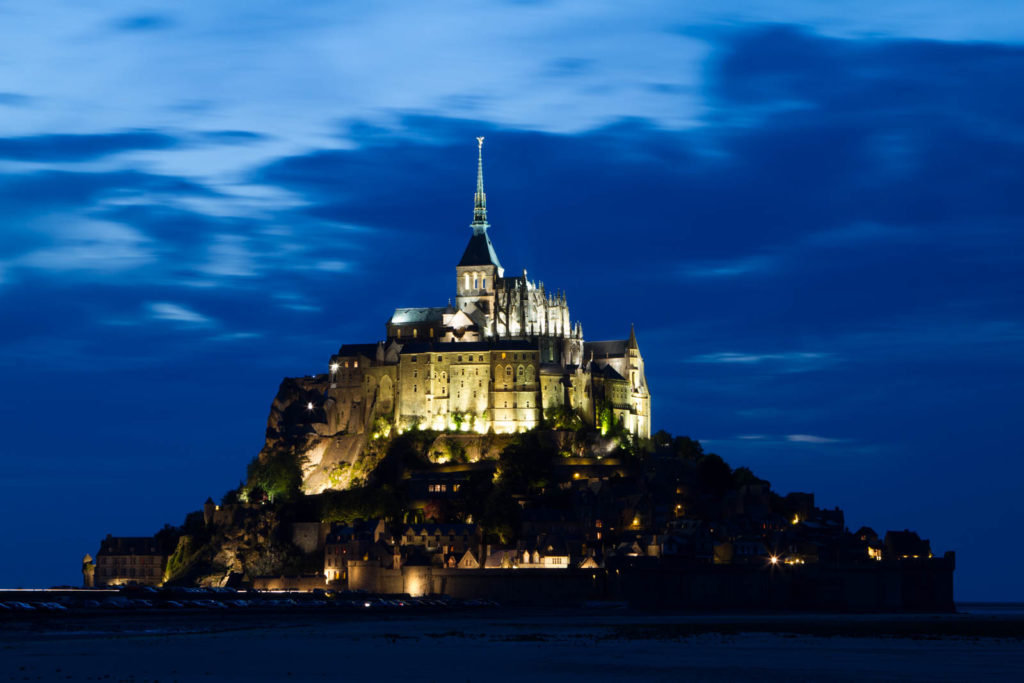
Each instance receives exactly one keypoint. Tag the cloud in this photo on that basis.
(164, 310)
(63, 147)
(810, 438)
(791, 361)
(725, 269)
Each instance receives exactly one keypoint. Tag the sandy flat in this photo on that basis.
(503, 647)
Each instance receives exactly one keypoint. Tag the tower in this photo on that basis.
(477, 273)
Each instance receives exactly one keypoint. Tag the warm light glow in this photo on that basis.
(334, 367)
(774, 559)
(309, 406)
(796, 519)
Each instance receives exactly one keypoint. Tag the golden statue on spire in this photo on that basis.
(480, 142)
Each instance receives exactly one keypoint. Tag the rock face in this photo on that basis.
(302, 424)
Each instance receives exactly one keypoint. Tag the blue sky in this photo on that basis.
(811, 213)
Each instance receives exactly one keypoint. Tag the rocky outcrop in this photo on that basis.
(301, 425)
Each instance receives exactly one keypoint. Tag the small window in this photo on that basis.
(413, 359)
(460, 359)
(414, 388)
(415, 333)
(483, 283)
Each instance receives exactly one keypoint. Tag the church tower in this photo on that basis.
(477, 273)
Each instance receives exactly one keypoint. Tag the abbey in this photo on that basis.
(505, 353)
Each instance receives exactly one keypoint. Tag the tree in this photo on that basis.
(687, 449)
(714, 474)
(279, 475)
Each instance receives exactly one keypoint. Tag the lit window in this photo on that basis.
(483, 283)
(415, 333)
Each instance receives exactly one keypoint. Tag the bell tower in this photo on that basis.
(477, 273)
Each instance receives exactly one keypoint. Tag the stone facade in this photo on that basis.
(124, 560)
(495, 361)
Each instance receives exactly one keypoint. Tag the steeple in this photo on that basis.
(480, 199)
(631, 344)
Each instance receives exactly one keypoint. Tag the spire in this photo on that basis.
(480, 199)
(631, 344)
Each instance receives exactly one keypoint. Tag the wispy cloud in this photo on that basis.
(165, 310)
(729, 269)
(810, 438)
(790, 361)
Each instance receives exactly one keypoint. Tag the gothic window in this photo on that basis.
(519, 373)
(475, 282)
(483, 283)
(529, 373)
(508, 371)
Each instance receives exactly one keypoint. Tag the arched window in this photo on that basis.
(508, 371)
(520, 373)
(465, 280)
(483, 283)
(476, 281)
(529, 374)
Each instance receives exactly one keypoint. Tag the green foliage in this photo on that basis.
(604, 417)
(382, 425)
(524, 465)
(500, 518)
(181, 560)
(362, 503)
(564, 418)
(279, 475)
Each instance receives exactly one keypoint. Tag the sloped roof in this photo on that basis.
(404, 316)
(479, 251)
(606, 349)
(349, 350)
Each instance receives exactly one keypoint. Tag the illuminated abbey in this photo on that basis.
(497, 360)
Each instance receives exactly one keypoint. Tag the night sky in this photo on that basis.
(811, 211)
